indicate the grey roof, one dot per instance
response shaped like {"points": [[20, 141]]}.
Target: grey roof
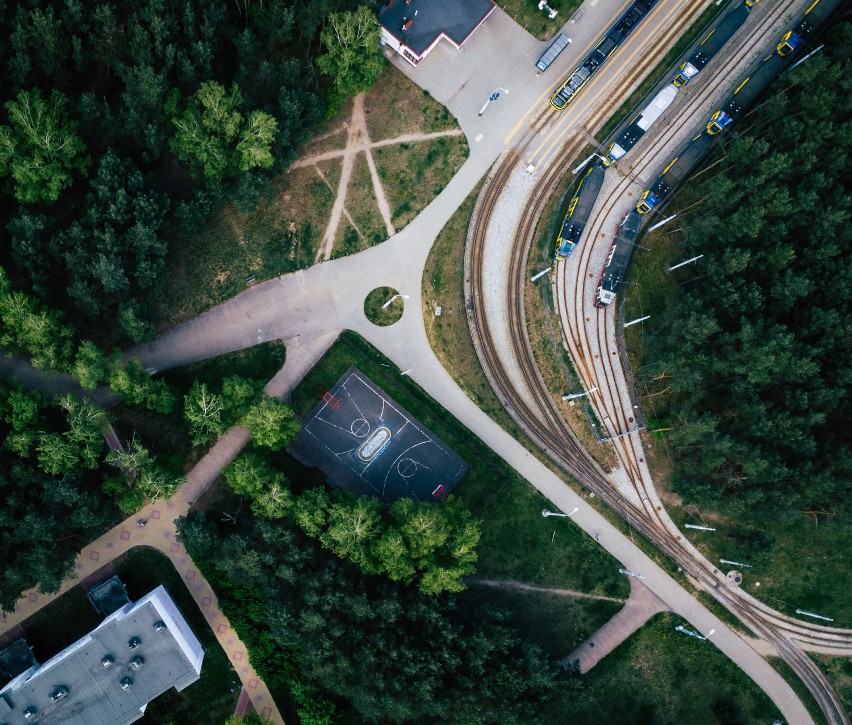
{"points": [[108, 596], [455, 18], [16, 658], [171, 658]]}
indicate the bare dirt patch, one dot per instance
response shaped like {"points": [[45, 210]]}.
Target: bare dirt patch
{"points": [[396, 105]]}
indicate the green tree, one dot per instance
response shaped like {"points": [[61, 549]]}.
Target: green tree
{"points": [[353, 56], [214, 134], [272, 423], [85, 428], [202, 411], [44, 521], [40, 148], [56, 454], [29, 329], [91, 366], [138, 388]]}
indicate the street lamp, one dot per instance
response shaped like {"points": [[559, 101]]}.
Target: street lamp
{"points": [[387, 304], [578, 395], [493, 97], [681, 628], [547, 513]]}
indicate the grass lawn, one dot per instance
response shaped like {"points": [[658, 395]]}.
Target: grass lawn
{"points": [[213, 697], [260, 362], [414, 174], [536, 22], [516, 539], [396, 106], [661, 676], [375, 310], [363, 208], [544, 328], [449, 334], [558, 623], [283, 233]]}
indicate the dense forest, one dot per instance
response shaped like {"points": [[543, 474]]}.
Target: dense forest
{"points": [[350, 646], [123, 123], [754, 351]]}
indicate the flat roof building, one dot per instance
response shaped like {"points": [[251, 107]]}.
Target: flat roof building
{"points": [[413, 27], [109, 676]]}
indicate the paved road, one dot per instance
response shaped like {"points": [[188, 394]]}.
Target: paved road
{"points": [[641, 606]]}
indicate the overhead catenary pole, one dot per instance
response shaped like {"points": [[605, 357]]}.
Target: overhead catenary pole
{"points": [[694, 259], [735, 563], [659, 224], [815, 616], [696, 526], [638, 319], [541, 274], [578, 395]]}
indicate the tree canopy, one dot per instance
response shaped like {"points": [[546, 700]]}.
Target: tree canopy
{"points": [[381, 650], [353, 56], [755, 351], [40, 147]]}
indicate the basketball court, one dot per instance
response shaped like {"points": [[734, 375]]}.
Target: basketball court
{"points": [[368, 444]]}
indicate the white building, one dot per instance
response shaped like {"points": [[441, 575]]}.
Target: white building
{"points": [[413, 27], [109, 676]]}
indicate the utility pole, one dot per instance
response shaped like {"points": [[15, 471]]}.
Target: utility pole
{"points": [[681, 628], [547, 513], [627, 572], [694, 259], [578, 395]]}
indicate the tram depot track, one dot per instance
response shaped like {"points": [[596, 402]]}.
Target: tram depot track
{"points": [[542, 420]]}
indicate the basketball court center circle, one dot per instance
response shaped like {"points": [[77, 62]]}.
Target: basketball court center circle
{"points": [[407, 467], [359, 427]]}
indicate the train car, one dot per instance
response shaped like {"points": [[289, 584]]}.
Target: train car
{"points": [[618, 259], [798, 36], [712, 43], [598, 56], [745, 94], [646, 118], [578, 212], [677, 170]]}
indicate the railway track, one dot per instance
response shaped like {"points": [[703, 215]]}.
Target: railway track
{"points": [[544, 423]]}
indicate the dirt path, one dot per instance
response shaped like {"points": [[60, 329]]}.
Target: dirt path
{"points": [[353, 141], [360, 119], [509, 584], [405, 138], [357, 141]]}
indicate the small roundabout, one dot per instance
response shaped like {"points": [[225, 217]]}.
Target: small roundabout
{"points": [[384, 306]]}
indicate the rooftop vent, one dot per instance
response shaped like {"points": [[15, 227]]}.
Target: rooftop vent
{"points": [[408, 24], [126, 683], [134, 642], [59, 693], [137, 662], [107, 661], [159, 625]]}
